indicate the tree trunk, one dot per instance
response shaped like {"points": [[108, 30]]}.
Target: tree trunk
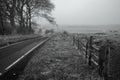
{"points": [[29, 11], [22, 25], [1, 25], [12, 22], [12, 17]]}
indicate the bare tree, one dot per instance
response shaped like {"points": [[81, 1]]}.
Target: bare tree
{"points": [[22, 12]]}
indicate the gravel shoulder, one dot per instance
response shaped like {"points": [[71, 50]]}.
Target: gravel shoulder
{"points": [[58, 60]]}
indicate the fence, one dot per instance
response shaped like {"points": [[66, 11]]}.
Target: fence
{"points": [[95, 55]]}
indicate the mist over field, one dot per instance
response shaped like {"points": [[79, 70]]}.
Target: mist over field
{"points": [[90, 28]]}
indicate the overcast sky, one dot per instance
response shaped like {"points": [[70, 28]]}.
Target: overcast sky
{"points": [[87, 12]]}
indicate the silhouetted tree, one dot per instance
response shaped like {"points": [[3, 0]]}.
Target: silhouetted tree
{"points": [[21, 12]]}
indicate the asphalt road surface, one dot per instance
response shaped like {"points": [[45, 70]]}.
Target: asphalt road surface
{"points": [[12, 53]]}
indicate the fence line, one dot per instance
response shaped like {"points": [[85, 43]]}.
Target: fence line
{"points": [[98, 57]]}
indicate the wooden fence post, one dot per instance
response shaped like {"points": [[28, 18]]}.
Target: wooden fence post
{"points": [[101, 60], [107, 60], [109, 52], [73, 40], [86, 52], [78, 44], [104, 60], [90, 46]]}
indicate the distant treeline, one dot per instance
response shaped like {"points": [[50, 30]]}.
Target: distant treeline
{"points": [[16, 15]]}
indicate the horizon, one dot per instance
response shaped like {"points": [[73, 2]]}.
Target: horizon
{"points": [[82, 28]]}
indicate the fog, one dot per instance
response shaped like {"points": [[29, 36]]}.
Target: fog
{"points": [[85, 15], [87, 12]]}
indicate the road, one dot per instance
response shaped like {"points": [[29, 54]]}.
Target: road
{"points": [[10, 55]]}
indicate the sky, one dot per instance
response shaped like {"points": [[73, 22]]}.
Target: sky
{"points": [[86, 12]]}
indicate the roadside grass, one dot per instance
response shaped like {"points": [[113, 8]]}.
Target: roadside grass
{"points": [[58, 60], [9, 39]]}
